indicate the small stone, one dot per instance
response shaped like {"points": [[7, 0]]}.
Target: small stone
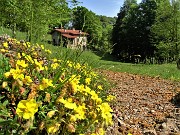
{"points": [[150, 132], [121, 123], [135, 110], [160, 108], [164, 125], [153, 111]]}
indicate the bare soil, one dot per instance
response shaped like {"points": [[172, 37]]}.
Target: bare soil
{"points": [[144, 105]]}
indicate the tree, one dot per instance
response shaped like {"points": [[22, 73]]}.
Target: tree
{"points": [[120, 39], [165, 30], [105, 44], [131, 33], [86, 20], [34, 16], [146, 18]]}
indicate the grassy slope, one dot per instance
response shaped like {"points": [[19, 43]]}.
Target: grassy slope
{"points": [[19, 35], [167, 71]]}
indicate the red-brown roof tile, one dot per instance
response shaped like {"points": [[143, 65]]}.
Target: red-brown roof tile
{"points": [[69, 36], [73, 32]]}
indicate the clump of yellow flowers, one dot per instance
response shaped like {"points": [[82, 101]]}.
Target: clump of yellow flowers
{"points": [[41, 95]]}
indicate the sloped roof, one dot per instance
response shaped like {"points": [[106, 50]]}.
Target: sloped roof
{"points": [[72, 32], [69, 36]]}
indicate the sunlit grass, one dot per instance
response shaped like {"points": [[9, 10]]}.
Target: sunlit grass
{"points": [[19, 35], [101, 61]]}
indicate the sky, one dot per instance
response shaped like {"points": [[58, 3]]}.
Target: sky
{"points": [[108, 8]]}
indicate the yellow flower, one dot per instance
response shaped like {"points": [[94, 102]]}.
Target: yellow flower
{"points": [[78, 66], [35, 54], [99, 87], [93, 74], [73, 118], [54, 65], [95, 97], [39, 65], [28, 58], [27, 80], [19, 55], [7, 74], [129, 134], [87, 89], [70, 100], [27, 108], [28, 44], [46, 68], [3, 50], [53, 128], [45, 84], [87, 81], [110, 97], [106, 113], [69, 63], [80, 112], [42, 46], [48, 51], [17, 73], [22, 63], [55, 60], [17, 42], [5, 45], [68, 104]]}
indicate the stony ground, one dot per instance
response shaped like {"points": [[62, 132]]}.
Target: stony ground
{"points": [[144, 105]]}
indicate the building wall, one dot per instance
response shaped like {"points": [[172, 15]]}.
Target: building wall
{"points": [[79, 42], [55, 38]]}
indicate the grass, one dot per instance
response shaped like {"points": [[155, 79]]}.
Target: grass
{"points": [[100, 61], [19, 35]]}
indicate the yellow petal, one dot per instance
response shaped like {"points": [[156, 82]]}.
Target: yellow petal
{"points": [[27, 115]]}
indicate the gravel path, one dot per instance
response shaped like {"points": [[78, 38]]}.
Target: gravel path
{"points": [[144, 105]]}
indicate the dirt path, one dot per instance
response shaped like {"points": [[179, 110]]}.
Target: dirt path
{"points": [[144, 105]]}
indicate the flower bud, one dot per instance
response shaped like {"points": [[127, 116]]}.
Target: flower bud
{"points": [[50, 113], [41, 125], [4, 84], [71, 128]]}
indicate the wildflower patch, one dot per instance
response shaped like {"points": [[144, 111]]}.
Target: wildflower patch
{"points": [[40, 95]]}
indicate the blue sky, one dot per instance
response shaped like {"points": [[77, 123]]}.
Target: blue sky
{"points": [[104, 7]]}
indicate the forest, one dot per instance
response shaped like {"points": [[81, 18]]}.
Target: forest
{"points": [[149, 30], [146, 32]]}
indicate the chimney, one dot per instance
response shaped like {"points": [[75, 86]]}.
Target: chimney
{"points": [[73, 29]]}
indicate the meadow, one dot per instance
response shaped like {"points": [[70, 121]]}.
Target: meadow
{"points": [[107, 62], [48, 89]]}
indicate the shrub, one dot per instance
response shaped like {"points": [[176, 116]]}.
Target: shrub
{"points": [[49, 96]]}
